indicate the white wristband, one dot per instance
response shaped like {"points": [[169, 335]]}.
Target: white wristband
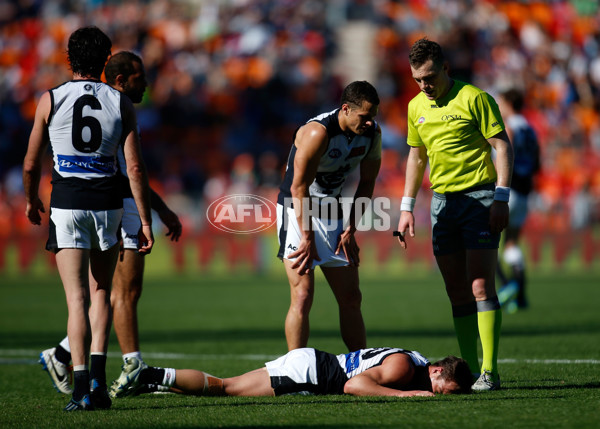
{"points": [[407, 204], [502, 193]]}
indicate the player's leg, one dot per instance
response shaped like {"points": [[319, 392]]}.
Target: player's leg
{"points": [[195, 382], [453, 268], [253, 383], [297, 327], [127, 288], [72, 266], [102, 265], [481, 262], [514, 258], [344, 282], [103, 259], [481, 265], [126, 292], [513, 255]]}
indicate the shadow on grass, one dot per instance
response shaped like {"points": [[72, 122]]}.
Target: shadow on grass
{"points": [[565, 386], [147, 402]]}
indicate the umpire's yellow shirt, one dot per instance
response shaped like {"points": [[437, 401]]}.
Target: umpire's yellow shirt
{"points": [[455, 129]]}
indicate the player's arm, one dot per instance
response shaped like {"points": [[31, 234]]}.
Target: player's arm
{"points": [[369, 169], [415, 169], [167, 216], [310, 142], [32, 164], [504, 167], [138, 178], [387, 379]]}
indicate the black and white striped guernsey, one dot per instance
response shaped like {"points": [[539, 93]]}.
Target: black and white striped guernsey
{"points": [[343, 154]]}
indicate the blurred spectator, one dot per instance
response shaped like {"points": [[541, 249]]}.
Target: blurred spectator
{"points": [[237, 77]]}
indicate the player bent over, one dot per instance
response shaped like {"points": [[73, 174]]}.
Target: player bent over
{"points": [[311, 229]]}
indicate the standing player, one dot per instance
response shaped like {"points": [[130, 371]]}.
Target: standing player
{"points": [[527, 164], [382, 371], [309, 217], [85, 121], [124, 71], [455, 125]]}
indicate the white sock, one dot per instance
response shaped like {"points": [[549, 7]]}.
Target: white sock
{"points": [[65, 344], [169, 378], [80, 368], [137, 355]]}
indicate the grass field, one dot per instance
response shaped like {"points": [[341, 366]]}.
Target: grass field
{"points": [[230, 323]]}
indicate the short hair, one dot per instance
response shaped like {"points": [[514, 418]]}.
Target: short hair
{"points": [[424, 50], [514, 98], [120, 63], [457, 370], [88, 50], [359, 91]]}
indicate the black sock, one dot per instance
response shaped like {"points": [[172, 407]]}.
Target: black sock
{"points": [[62, 355], [98, 369], [81, 383], [152, 375]]}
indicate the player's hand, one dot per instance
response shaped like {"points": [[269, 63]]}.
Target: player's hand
{"points": [[422, 393], [32, 211], [305, 255], [145, 240], [406, 222], [347, 244], [171, 221], [498, 216]]}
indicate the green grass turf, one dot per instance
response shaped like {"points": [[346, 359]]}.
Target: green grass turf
{"points": [[231, 323]]}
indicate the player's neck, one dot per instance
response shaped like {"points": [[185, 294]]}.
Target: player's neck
{"points": [[449, 85], [77, 76]]}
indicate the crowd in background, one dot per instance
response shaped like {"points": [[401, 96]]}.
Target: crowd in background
{"points": [[230, 81]]}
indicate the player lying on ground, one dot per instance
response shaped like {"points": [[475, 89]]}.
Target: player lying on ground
{"points": [[366, 372]]}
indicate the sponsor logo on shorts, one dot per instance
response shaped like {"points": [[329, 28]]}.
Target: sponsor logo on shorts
{"points": [[495, 124], [293, 248], [242, 213], [421, 119]]}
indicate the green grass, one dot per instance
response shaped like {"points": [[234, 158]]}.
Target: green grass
{"points": [[231, 323]]}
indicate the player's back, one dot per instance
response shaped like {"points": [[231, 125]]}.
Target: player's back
{"points": [[85, 127]]}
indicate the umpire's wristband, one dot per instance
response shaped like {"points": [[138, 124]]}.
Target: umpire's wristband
{"points": [[407, 204], [502, 194]]}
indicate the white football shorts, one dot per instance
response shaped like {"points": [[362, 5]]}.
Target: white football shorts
{"points": [[299, 365], [518, 209], [130, 224], [327, 234], [84, 229]]}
